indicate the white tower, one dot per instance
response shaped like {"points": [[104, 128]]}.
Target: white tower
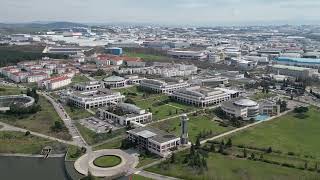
{"points": [[184, 129]]}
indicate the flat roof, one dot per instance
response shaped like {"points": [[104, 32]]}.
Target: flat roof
{"points": [[153, 134], [299, 60], [290, 67]]}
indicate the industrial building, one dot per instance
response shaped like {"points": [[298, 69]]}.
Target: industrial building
{"points": [[303, 62], [294, 71]]}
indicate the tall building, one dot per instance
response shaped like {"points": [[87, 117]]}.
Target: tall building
{"points": [[184, 129]]}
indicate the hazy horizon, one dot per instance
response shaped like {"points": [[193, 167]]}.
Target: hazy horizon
{"points": [[165, 12]]}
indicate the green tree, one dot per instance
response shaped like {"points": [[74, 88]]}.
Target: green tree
{"points": [[173, 158], [229, 143], [245, 153], [198, 143], [212, 148]]}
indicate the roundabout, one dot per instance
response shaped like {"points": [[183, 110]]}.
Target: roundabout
{"points": [[111, 163]]}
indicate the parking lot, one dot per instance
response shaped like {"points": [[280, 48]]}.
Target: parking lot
{"points": [[98, 125]]}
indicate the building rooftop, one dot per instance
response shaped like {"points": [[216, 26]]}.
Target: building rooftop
{"points": [[113, 79], [245, 102], [299, 60], [153, 134], [296, 68]]}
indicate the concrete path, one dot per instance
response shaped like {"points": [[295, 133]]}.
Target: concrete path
{"points": [[154, 176], [76, 136], [7, 127]]}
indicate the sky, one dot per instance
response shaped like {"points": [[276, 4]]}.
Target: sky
{"points": [[189, 12]]}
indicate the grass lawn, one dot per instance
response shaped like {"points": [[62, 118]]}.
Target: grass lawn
{"points": [[10, 91], [160, 104], [17, 142], [114, 144], [93, 138], [196, 124], [77, 113], [225, 167], [259, 96], [138, 177], [74, 153], [39, 122], [79, 79], [107, 161], [146, 57], [288, 133], [147, 159]]}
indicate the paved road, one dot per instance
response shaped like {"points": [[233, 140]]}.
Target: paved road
{"points": [[76, 136], [7, 127]]}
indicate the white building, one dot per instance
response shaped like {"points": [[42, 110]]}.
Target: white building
{"points": [[154, 140], [54, 83], [244, 108], [35, 77], [114, 82], [124, 114], [94, 98], [203, 97], [195, 55], [87, 86], [161, 86]]}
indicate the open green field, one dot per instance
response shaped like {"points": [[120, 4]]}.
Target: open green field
{"points": [[18, 142], [93, 138], [229, 168], [39, 122], [259, 96], [288, 133], [196, 125], [6, 90], [77, 113], [146, 57], [107, 161]]}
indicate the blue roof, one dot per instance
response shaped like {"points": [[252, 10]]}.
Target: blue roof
{"points": [[298, 60]]}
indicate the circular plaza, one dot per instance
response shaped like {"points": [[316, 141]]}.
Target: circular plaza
{"points": [[111, 163]]}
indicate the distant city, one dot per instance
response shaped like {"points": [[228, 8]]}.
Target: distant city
{"points": [[157, 102]]}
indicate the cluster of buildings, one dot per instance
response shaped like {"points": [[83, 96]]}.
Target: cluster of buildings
{"points": [[163, 70], [47, 74]]}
